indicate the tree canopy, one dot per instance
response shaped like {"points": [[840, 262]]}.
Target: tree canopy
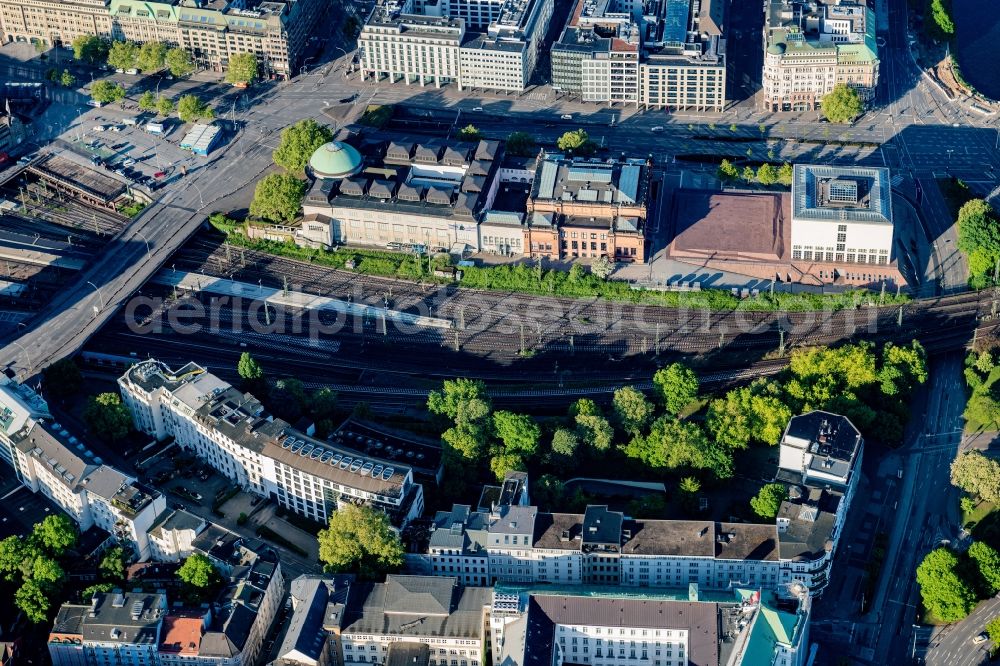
{"points": [[767, 174], [977, 475], [521, 144], [469, 133], [727, 171], [90, 49], [842, 104], [179, 62], [677, 386], [277, 197], [673, 444], [946, 596], [164, 106], [299, 142], [106, 92], [152, 56], [242, 68], [361, 540], [979, 239], [937, 20], [199, 573], [518, 432], [577, 141], [987, 563], [632, 410], [768, 500], [123, 55], [55, 534], [191, 108], [108, 417], [564, 445], [62, 378]]}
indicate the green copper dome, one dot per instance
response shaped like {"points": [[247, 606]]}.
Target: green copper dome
{"points": [[335, 160]]}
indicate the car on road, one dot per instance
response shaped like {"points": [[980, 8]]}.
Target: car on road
{"points": [[658, 128], [119, 146], [129, 162], [477, 108], [567, 116], [120, 172], [94, 103], [980, 638], [159, 174], [99, 128], [132, 72]]}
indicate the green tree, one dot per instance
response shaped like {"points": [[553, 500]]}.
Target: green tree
{"points": [[987, 562], [90, 49], [549, 492], [993, 631], [469, 133], [727, 171], [602, 268], [199, 573], [190, 108], [178, 62], [164, 106], [768, 500], [503, 462], [123, 55], [108, 417], [903, 368], [106, 92], [748, 174], [152, 56], [785, 174], [576, 141], [114, 563], [938, 22], [250, 371], [842, 104], [461, 400], [278, 197], [56, 534], [299, 142], [518, 432], [595, 431], [147, 101], [46, 573], [745, 415], [584, 407], [360, 539], [976, 474], [468, 441], [690, 485], [946, 596], [677, 386], [672, 444], [564, 444], [33, 602], [242, 69], [95, 589], [979, 240], [67, 79], [62, 379], [632, 410], [521, 144], [14, 552], [767, 174]]}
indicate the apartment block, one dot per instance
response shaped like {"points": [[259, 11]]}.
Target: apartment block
{"points": [[49, 460], [515, 543], [493, 44], [232, 432], [588, 208], [114, 628], [364, 621], [812, 47], [605, 625], [277, 31]]}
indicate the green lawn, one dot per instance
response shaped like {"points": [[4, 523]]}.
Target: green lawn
{"points": [[972, 518]]}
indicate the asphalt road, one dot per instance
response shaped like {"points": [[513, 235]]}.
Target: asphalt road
{"points": [[953, 646]]}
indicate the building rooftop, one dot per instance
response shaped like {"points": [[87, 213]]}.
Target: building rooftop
{"points": [[830, 444], [601, 527], [62, 454], [806, 523], [611, 183], [335, 159], [848, 194], [416, 606], [405, 653], [744, 225], [124, 617], [513, 520], [182, 634], [460, 529]]}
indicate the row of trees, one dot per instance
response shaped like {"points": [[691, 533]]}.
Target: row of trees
{"points": [[34, 565], [979, 240], [951, 583], [190, 108], [155, 56], [766, 174]]}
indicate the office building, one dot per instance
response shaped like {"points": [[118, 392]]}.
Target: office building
{"points": [[114, 628], [842, 218], [277, 31], [658, 55], [232, 432], [588, 208], [600, 625], [428, 194], [493, 44], [812, 47], [344, 621]]}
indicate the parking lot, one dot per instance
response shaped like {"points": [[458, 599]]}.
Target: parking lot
{"points": [[20, 509]]}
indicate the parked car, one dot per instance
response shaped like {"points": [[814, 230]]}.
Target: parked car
{"points": [[980, 638], [99, 128], [128, 162]]}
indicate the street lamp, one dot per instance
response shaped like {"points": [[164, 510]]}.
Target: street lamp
{"points": [[99, 294], [145, 240], [26, 354]]}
